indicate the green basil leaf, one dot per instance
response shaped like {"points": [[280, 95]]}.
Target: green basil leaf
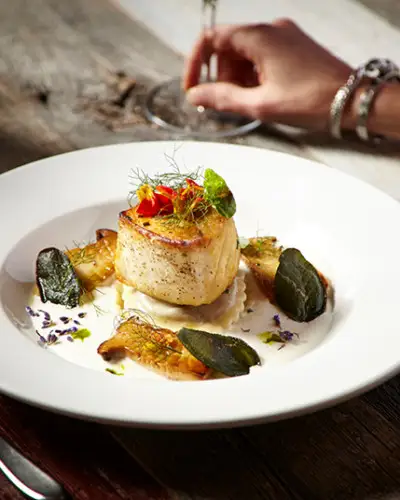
{"points": [[218, 194], [228, 355], [299, 290], [56, 278]]}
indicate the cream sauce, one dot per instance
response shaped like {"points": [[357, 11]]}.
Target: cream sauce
{"points": [[215, 317], [244, 308]]}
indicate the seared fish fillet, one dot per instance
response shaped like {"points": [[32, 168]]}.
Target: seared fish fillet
{"points": [[191, 263], [156, 348], [94, 263]]}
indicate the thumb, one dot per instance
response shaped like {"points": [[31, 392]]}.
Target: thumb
{"points": [[225, 97]]}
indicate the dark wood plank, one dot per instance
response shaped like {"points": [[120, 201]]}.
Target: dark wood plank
{"points": [[350, 452], [8, 491], [82, 456], [205, 464]]}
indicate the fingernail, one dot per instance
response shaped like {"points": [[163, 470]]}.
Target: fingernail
{"points": [[192, 95]]}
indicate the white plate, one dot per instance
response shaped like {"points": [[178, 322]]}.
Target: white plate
{"points": [[346, 228]]}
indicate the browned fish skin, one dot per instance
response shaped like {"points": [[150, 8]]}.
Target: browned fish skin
{"points": [[94, 263], [189, 263], [156, 348]]}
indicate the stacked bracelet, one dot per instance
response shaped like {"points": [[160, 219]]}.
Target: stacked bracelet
{"points": [[340, 100], [366, 102], [378, 71]]}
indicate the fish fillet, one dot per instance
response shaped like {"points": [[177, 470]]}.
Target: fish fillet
{"points": [[191, 263]]}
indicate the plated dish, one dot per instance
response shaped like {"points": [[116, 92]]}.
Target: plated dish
{"points": [[176, 279], [177, 306]]}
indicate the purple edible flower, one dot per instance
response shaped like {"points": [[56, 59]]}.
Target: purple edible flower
{"points": [[42, 340], [65, 319], [286, 336], [45, 314], [277, 320], [73, 329], [51, 338], [76, 322], [82, 315], [47, 324], [31, 312], [70, 338]]}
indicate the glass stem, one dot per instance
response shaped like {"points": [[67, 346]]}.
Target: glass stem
{"points": [[209, 16]]}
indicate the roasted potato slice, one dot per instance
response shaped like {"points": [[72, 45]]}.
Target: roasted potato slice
{"points": [[262, 256], [94, 263], [156, 348]]}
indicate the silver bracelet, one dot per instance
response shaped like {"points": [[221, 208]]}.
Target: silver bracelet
{"points": [[374, 68], [367, 100], [340, 100]]}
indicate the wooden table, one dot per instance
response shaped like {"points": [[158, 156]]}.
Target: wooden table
{"points": [[66, 71]]}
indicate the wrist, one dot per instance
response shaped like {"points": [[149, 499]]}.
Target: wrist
{"points": [[383, 116], [350, 112]]}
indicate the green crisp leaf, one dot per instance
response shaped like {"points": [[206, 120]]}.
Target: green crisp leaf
{"points": [[81, 334], [56, 278], [299, 290], [270, 337], [218, 194], [228, 355]]}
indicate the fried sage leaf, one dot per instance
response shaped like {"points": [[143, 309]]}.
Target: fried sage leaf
{"points": [[218, 194], [228, 355], [56, 278], [299, 289]]}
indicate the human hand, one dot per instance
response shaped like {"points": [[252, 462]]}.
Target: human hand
{"points": [[273, 72]]}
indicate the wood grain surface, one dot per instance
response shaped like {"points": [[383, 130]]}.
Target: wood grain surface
{"points": [[351, 452], [82, 456], [63, 71], [75, 74]]}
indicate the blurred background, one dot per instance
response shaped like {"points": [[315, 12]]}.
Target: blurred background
{"points": [[77, 74]]}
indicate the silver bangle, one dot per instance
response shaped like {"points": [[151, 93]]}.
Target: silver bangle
{"points": [[367, 100], [340, 100], [374, 68]]}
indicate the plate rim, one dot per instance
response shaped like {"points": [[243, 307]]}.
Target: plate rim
{"points": [[290, 413]]}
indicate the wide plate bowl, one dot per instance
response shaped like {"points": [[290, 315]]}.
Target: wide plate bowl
{"points": [[345, 227]]}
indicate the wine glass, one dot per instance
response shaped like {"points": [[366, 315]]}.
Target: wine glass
{"points": [[166, 103]]}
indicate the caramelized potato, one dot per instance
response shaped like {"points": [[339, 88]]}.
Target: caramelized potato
{"points": [[94, 263], [156, 348], [262, 256]]}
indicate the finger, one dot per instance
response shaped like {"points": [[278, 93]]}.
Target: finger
{"points": [[200, 55], [234, 69], [225, 97], [226, 67], [245, 40], [202, 52]]}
